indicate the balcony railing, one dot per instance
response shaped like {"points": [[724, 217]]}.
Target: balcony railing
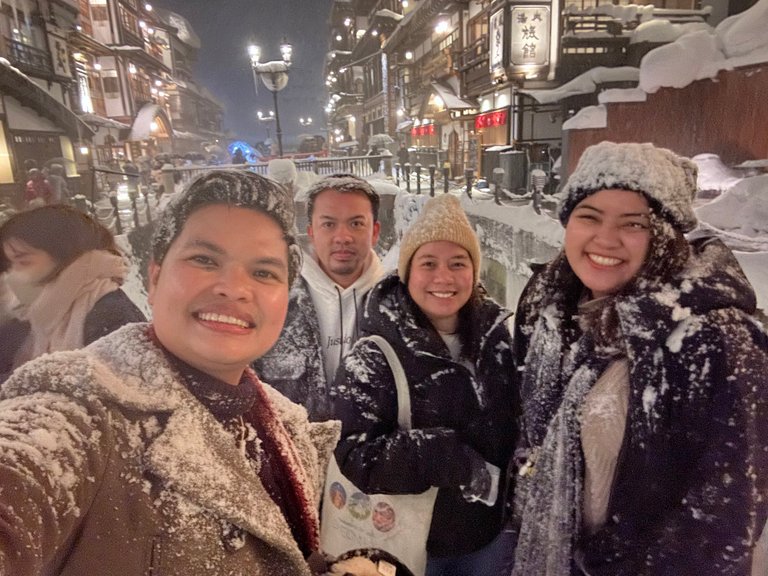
{"points": [[28, 58]]}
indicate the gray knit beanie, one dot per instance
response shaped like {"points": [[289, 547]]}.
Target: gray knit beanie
{"points": [[237, 188], [666, 179], [441, 218]]}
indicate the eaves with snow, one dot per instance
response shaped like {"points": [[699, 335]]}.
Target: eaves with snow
{"points": [[692, 51], [387, 13]]}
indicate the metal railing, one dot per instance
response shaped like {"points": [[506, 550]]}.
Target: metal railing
{"points": [[121, 203], [358, 165], [28, 58]]}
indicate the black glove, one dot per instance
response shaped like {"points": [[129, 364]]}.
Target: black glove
{"points": [[484, 485]]}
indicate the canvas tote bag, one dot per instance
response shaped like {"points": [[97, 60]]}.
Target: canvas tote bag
{"points": [[396, 523]]}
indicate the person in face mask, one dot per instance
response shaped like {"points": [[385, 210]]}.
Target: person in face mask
{"points": [[62, 274]]}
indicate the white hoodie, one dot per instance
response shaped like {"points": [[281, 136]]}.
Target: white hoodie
{"points": [[338, 308]]}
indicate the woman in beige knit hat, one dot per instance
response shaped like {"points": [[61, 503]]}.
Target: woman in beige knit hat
{"points": [[643, 385], [454, 344]]}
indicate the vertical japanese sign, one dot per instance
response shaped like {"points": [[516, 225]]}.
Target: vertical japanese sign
{"points": [[496, 30], [57, 44], [529, 35]]}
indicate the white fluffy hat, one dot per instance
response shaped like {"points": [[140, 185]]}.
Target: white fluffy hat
{"points": [[441, 218], [666, 179]]}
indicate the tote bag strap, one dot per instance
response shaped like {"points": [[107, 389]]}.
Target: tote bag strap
{"points": [[401, 381]]}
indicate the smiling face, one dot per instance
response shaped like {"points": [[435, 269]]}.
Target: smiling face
{"points": [[440, 281], [220, 296], [607, 239], [342, 232]]}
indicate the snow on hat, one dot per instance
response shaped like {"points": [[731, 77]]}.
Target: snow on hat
{"points": [[343, 182], [238, 188], [441, 218], [666, 179]]}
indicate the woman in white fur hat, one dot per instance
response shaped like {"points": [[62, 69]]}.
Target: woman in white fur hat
{"points": [[454, 343], [643, 385]]}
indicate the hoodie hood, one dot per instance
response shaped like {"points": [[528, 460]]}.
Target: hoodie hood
{"points": [[338, 309]]}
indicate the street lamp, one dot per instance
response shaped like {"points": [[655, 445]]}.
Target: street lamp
{"points": [[305, 121], [274, 75]]}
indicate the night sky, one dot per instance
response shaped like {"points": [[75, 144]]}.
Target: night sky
{"points": [[226, 27]]}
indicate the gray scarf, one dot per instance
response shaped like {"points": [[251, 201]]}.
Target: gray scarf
{"points": [[551, 507]]}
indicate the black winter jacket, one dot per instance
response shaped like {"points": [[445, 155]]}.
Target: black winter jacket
{"points": [[689, 492], [457, 418], [109, 313], [294, 365]]}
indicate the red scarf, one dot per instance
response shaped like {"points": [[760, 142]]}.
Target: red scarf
{"points": [[297, 505]]}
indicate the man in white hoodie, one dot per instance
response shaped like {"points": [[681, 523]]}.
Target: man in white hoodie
{"points": [[326, 302]]}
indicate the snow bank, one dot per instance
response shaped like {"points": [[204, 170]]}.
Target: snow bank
{"points": [[755, 266], [713, 174], [743, 209]]}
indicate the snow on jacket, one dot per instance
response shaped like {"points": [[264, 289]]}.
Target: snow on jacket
{"points": [[108, 464], [458, 417], [109, 313], [689, 493], [321, 327]]}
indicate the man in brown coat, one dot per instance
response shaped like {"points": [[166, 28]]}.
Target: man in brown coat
{"points": [[156, 450]]}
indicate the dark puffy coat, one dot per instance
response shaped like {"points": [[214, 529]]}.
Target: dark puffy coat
{"points": [[689, 492], [294, 365], [458, 418], [107, 315]]}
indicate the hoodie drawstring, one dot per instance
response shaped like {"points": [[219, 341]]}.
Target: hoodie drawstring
{"points": [[357, 316], [341, 326]]}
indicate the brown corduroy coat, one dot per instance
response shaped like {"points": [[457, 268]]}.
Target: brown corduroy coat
{"points": [[108, 465]]}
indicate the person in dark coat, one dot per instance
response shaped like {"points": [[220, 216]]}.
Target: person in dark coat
{"points": [[403, 156], [374, 162], [57, 178], [64, 272], [454, 343], [238, 157], [644, 385]]}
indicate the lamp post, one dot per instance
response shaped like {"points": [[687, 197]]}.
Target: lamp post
{"points": [[274, 75]]}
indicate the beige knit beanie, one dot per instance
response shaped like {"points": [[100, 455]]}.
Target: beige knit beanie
{"points": [[441, 218]]}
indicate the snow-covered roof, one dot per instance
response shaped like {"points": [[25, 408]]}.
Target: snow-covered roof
{"points": [[142, 125], [585, 83], [387, 13], [97, 120], [664, 31], [739, 40], [588, 117], [624, 13], [449, 97], [185, 32], [622, 95], [188, 135]]}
